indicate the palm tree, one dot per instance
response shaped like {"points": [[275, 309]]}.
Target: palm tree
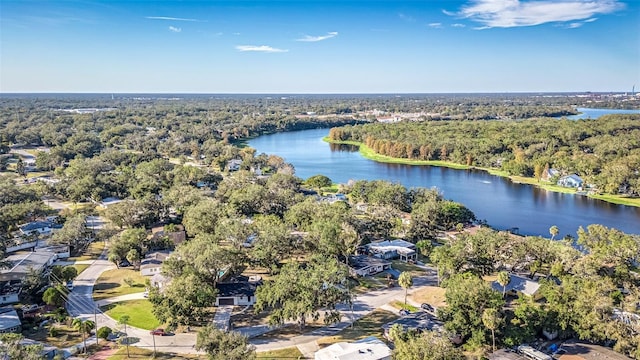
{"points": [[406, 281], [124, 320], [492, 320], [553, 231], [504, 279], [83, 327]]}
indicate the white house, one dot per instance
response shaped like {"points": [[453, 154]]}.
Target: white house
{"points": [[393, 249], [370, 348], [21, 263], [572, 180], [37, 228], [234, 164], [550, 174], [152, 263], [239, 292], [362, 265]]}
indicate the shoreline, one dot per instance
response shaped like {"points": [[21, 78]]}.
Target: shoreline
{"points": [[368, 153]]}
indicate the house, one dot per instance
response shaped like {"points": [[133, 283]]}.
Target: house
{"points": [[518, 285], [550, 174], [573, 181], [109, 201], [417, 321], [363, 265], [152, 263], [9, 321], [238, 291], [234, 164], [158, 280], [393, 249], [21, 263], [38, 228], [370, 348]]}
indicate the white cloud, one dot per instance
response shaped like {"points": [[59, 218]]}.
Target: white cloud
{"points": [[175, 29], [309, 38], [435, 25], [512, 13], [407, 18], [260, 48], [169, 18], [458, 25]]}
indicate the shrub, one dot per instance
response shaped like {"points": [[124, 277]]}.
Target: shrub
{"points": [[104, 332], [129, 281]]}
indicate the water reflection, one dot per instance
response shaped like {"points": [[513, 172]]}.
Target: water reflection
{"points": [[501, 202]]}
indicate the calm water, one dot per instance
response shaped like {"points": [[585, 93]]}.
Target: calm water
{"points": [[586, 113], [499, 201]]}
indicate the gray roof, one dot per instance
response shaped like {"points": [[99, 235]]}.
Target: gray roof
{"points": [[8, 318], [23, 261], [233, 289], [417, 320], [362, 261], [36, 225], [518, 284]]}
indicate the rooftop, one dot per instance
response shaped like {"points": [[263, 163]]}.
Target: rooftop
{"points": [[23, 261], [370, 348], [8, 319], [362, 261], [578, 351], [417, 320], [231, 289], [519, 284]]}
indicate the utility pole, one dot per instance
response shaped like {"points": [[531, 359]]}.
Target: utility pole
{"points": [[95, 320], [154, 343]]}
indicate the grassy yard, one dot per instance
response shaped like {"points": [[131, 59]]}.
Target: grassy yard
{"points": [[138, 353], [112, 283], [429, 294], [404, 266], [368, 283], [249, 318], [66, 336], [92, 252], [139, 312], [288, 353], [80, 267], [401, 305], [369, 325]]}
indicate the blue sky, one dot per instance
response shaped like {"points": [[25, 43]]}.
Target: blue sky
{"points": [[319, 46]]}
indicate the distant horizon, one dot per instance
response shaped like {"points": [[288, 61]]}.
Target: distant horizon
{"points": [[319, 47]]}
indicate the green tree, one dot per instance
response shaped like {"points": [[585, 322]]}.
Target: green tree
{"points": [[300, 290], [428, 345], [553, 231], [133, 257], [84, 327], [318, 182], [124, 320], [54, 296], [406, 281], [104, 332], [73, 232], [11, 348], [222, 345], [492, 320], [503, 279]]}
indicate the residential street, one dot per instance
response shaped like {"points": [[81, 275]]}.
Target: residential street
{"points": [[81, 304]]}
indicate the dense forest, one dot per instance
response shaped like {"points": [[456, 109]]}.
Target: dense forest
{"points": [[605, 152]]}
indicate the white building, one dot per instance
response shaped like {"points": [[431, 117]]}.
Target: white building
{"points": [[370, 348], [393, 249]]}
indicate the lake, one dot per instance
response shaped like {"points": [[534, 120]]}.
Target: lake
{"points": [[497, 200], [587, 113]]}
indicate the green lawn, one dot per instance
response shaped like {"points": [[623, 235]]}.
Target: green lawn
{"points": [[112, 283], [404, 267], [369, 325], [66, 336], [401, 305], [288, 353], [80, 267], [92, 252], [139, 312]]}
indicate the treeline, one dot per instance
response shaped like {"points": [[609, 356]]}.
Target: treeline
{"points": [[605, 152]]}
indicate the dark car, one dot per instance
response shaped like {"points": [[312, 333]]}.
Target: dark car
{"points": [[404, 312], [159, 332], [427, 307]]}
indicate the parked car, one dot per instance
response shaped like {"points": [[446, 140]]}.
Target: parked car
{"points": [[404, 312], [29, 308], [124, 263], [427, 307], [159, 332], [145, 294], [70, 285]]}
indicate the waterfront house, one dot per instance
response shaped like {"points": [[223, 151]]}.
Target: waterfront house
{"points": [[550, 174], [573, 181]]}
